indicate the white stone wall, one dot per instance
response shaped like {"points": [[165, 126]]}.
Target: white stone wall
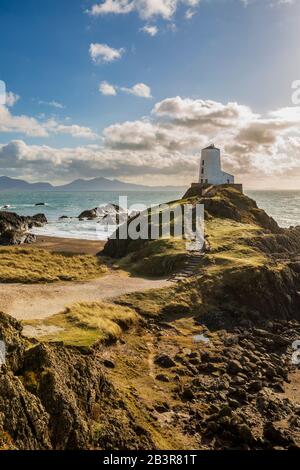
{"points": [[211, 170]]}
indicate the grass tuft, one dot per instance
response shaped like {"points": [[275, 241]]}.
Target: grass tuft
{"points": [[83, 324], [32, 265]]}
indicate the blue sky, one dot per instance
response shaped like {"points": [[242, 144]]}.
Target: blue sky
{"points": [[225, 52]]}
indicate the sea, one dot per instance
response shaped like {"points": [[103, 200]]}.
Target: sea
{"points": [[283, 206]]}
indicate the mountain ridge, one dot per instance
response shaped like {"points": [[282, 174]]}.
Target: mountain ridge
{"points": [[94, 184]]}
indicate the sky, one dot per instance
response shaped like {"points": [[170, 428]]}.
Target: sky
{"points": [[134, 89]]}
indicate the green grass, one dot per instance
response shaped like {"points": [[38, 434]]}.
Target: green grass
{"points": [[156, 258], [32, 265], [83, 324], [230, 256], [229, 245]]}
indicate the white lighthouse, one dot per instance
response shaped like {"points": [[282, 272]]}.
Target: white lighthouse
{"points": [[211, 168]]}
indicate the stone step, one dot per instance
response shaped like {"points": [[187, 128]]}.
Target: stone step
{"points": [[190, 267]]}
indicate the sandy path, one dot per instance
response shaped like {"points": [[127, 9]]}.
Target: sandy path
{"points": [[39, 301]]}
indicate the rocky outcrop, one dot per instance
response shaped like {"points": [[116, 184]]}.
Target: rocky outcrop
{"points": [[234, 389], [52, 397], [90, 214], [16, 237], [37, 220], [109, 211], [14, 228]]}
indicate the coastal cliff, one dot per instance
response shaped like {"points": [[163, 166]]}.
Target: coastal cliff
{"points": [[206, 366]]}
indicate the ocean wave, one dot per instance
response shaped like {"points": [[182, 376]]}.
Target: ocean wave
{"points": [[75, 232]]}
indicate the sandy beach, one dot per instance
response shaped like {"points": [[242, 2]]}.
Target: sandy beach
{"points": [[69, 245]]}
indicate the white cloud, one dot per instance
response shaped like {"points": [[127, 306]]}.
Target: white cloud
{"points": [[53, 104], [74, 130], [18, 158], [101, 53], [20, 124], [151, 30], [252, 144], [107, 89], [113, 6], [166, 145], [165, 9], [189, 14], [32, 127], [145, 8], [11, 99], [202, 113], [140, 89]]}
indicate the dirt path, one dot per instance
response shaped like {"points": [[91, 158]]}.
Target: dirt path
{"points": [[37, 301]]}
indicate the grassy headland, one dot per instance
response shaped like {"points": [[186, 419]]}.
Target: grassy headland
{"points": [[246, 255]]}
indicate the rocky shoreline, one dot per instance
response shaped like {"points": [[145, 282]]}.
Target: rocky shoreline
{"points": [[14, 228]]}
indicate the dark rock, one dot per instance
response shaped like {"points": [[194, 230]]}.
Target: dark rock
{"points": [[255, 386], [12, 221], [13, 228], [162, 407], [234, 367], [89, 214], [195, 361], [275, 435], [225, 410], [11, 237], [110, 213], [40, 204], [188, 394], [109, 364], [278, 387], [162, 378], [38, 220], [244, 433], [164, 361]]}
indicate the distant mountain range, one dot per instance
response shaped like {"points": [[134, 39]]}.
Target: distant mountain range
{"points": [[96, 184]]}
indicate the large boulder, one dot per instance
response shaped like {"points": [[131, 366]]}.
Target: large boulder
{"points": [[109, 211], [12, 221], [90, 214], [14, 228], [37, 220], [16, 237]]}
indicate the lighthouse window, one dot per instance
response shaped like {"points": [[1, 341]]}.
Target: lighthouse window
{"points": [[203, 162], [202, 171]]}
